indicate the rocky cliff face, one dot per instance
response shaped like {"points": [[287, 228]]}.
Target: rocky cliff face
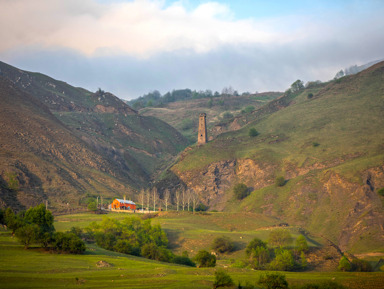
{"points": [[326, 203]]}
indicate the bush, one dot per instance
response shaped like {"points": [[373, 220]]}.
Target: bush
{"points": [[283, 262], [344, 265], [27, 234], [256, 242], [205, 259], [249, 108], [183, 260], [222, 244], [68, 243], [301, 244], [361, 266], [92, 207], [310, 95], [273, 281], [222, 279], [280, 181], [201, 208], [381, 192], [253, 132], [227, 115], [240, 191]]}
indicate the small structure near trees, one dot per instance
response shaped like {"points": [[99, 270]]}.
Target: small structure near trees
{"points": [[119, 204]]}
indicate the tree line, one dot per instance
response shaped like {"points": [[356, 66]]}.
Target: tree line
{"points": [[155, 98], [35, 227], [181, 200]]}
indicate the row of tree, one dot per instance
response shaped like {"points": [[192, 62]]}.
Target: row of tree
{"points": [[184, 199], [155, 98]]}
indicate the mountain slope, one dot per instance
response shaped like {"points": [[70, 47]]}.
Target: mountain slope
{"points": [[44, 157], [330, 149], [129, 147]]}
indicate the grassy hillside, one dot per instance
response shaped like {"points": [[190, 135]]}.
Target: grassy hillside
{"points": [[35, 268], [72, 142], [328, 147], [41, 159]]}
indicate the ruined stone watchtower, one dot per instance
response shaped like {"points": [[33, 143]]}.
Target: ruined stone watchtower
{"points": [[202, 137]]}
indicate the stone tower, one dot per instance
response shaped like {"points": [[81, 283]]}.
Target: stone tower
{"points": [[202, 137]]}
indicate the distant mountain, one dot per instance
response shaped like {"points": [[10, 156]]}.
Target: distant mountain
{"points": [[326, 141], [64, 144], [355, 69], [224, 112]]}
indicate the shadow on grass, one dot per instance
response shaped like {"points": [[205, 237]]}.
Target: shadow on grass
{"points": [[173, 238]]}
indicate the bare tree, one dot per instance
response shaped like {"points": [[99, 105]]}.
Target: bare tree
{"points": [[189, 197], [142, 196], [155, 196], [195, 199], [183, 198], [167, 196], [148, 197], [177, 195]]}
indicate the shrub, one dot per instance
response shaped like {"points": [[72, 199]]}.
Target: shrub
{"points": [[201, 208], [205, 259], [310, 95], [240, 191], [361, 266], [249, 108], [344, 265], [301, 244], [253, 132], [68, 243], [183, 260], [273, 281], [283, 262], [27, 234], [227, 115], [256, 242], [259, 257], [381, 192], [92, 207], [222, 279], [222, 244], [280, 181], [304, 262]]}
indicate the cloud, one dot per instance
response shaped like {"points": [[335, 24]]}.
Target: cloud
{"points": [[130, 48], [140, 28]]}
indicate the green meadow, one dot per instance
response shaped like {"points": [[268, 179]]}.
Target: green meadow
{"points": [[36, 268]]}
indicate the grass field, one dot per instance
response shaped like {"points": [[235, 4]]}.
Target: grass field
{"points": [[35, 268]]}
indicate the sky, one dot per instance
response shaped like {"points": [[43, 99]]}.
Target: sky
{"points": [[130, 48]]}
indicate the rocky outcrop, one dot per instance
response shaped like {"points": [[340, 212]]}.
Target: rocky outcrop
{"points": [[323, 201]]}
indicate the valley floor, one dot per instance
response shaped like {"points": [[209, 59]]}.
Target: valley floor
{"points": [[35, 268]]}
